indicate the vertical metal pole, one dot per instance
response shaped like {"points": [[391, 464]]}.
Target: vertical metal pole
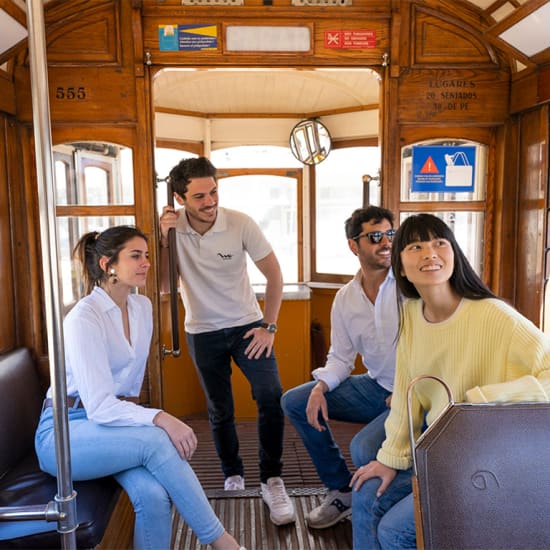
{"points": [[65, 499]]}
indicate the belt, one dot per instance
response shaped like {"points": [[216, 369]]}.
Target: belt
{"points": [[76, 403]]}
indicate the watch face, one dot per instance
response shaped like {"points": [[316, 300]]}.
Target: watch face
{"points": [[272, 327]]}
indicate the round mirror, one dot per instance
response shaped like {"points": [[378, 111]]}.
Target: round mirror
{"points": [[310, 141]]}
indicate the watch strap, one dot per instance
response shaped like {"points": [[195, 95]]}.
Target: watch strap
{"points": [[270, 327]]}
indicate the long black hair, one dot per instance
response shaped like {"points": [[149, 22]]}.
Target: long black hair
{"points": [[94, 245], [425, 227]]}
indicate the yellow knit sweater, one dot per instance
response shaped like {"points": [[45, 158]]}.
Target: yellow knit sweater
{"points": [[486, 351]]}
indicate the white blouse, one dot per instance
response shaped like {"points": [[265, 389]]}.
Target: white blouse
{"points": [[100, 362]]}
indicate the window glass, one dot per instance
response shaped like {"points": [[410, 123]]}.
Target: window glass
{"points": [[96, 190], [61, 184], [254, 156], [165, 160], [272, 202], [69, 231], [449, 160], [94, 174], [338, 192]]}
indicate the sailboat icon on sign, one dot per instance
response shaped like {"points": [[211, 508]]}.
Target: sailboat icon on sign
{"points": [[429, 167]]}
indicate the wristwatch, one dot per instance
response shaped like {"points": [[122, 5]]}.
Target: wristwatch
{"points": [[271, 327]]}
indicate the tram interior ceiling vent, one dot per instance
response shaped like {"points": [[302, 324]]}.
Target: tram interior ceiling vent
{"points": [[322, 2], [212, 2]]}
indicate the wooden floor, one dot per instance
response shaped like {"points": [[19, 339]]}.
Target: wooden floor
{"points": [[244, 514]]}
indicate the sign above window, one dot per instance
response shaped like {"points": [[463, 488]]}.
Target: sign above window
{"points": [[242, 38]]}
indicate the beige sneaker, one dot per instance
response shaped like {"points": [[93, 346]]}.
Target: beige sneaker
{"points": [[234, 483], [335, 507], [280, 506]]}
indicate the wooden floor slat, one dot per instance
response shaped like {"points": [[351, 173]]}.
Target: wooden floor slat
{"points": [[244, 514], [248, 520], [297, 468]]}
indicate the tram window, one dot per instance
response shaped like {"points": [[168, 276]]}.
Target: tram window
{"points": [[96, 190], [165, 160], [61, 176], [339, 191], [254, 156], [272, 201], [463, 211], [96, 174], [90, 178], [69, 231]]}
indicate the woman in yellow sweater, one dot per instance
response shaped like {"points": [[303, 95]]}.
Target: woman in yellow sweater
{"points": [[452, 326]]}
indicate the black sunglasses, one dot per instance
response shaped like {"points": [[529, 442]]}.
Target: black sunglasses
{"points": [[376, 236]]}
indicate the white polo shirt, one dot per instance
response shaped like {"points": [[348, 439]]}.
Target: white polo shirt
{"points": [[216, 291]]}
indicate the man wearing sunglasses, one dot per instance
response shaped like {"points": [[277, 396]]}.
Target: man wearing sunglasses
{"points": [[364, 321]]}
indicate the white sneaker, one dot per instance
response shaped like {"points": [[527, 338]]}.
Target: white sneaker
{"points": [[280, 506], [335, 507], [234, 483]]}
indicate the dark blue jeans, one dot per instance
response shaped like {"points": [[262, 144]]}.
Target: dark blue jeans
{"points": [[212, 353], [358, 399]]}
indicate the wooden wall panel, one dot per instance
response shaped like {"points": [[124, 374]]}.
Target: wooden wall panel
{"points": [[533, 178], [86, 37], [91, 72], [504, 252], [439, 41], [523, 93], [320, 54], [7, 94], [454, 97], [543, 84], [7, 295]]}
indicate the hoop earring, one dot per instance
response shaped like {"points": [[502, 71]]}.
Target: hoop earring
{"points": [[112, 276]]}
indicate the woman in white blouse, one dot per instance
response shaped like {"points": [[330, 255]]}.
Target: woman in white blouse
{"points": [[107, 337]]}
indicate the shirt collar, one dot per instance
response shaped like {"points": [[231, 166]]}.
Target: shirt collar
{"points": [[357, 277], [103, 300]]}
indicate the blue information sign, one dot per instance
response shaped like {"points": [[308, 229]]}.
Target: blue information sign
{"points": [[188, 37], [442, 169]]}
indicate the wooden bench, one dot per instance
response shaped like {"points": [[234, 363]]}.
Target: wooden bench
{"points": [[105, 515]]}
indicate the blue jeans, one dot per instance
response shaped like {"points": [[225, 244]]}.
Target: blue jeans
{"points": [[145, 462], [212, 353], [358, 399], [396, 530], [373, 516]]}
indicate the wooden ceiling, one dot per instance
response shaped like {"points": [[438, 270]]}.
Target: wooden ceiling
{"points": [[279, 92]]}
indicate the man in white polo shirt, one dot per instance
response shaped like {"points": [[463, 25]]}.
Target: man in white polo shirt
{"points": [[223, 320]]}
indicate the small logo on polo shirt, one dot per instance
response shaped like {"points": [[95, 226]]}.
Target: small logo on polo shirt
{"points": [[225, 256]]}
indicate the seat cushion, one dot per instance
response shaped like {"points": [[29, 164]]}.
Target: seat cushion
{"points": [[19, 407], [26, 484]]}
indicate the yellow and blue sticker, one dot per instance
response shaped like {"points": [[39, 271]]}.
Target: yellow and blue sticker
{"points": [[198, 37]]}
